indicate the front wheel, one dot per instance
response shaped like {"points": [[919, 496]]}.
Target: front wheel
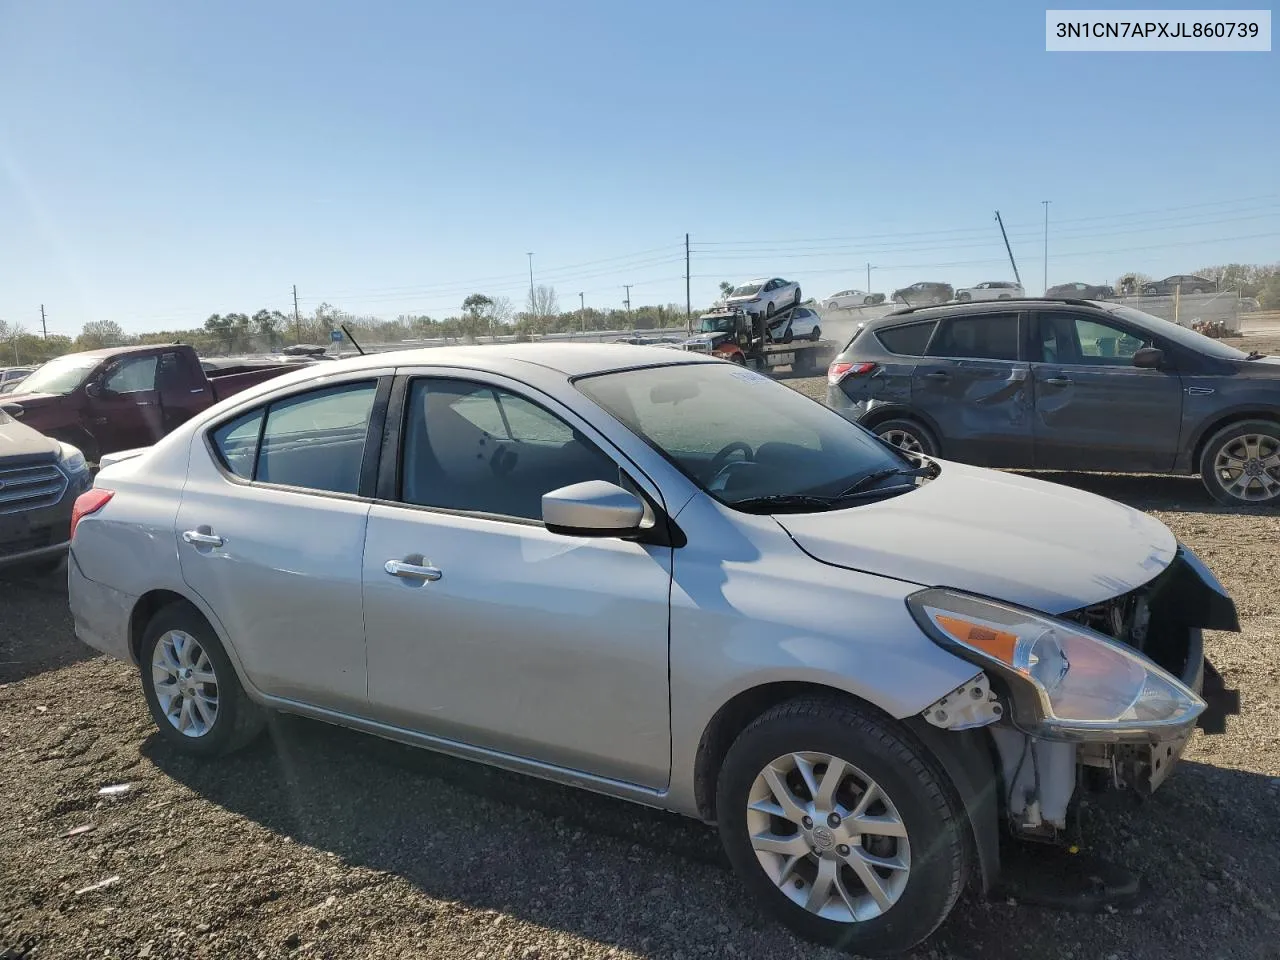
{"points": [[816, 334], [795, 300], [965, 297], [842, 825], [1240, 465], [192, 690]]}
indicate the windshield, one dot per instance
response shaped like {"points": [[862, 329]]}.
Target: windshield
{"points": [[746, 290], [60, 376], [740, 435], [716, 325], [1179, 334]]}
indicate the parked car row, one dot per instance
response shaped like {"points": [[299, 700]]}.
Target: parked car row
{"points": [[11, 377], [1038, 384], [717, 598]]}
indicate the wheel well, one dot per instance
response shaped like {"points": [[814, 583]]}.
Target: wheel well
{"points": [[1207, 433], [734, 717], [148, 605]]}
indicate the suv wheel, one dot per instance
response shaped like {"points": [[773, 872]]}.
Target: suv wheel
{"points": [[1241, 464], [839, 823], [191, 688], [795, 300], [907, 434]]}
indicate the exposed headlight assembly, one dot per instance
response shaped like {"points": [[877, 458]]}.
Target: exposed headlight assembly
{"points": [[1065, 681]]}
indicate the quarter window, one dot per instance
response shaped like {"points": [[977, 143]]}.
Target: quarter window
{"points": [[481, 449], [1084, 341], [992, 336]]}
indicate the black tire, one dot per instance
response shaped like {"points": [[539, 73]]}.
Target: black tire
{"points": [[815, 334], [905, 772], [789, 335], [928, 443], [868, 301], [238, 720], [965, 297], [768, 311], [1196, 290], [795, 301], [1220, 442], [1004, 296]]}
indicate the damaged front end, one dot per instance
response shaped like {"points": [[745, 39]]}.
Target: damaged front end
{"points": [[1106, 696]]}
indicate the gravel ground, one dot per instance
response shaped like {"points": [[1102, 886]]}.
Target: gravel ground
{"points": [[318, 842]]}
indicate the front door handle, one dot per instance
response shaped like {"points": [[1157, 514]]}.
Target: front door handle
{"points": [[1059, 381], [412, 571], [201, 539], [938, 375]]}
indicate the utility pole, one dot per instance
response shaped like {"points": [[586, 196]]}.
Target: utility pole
{"points": [[1046, 245], [869, 269], [531, 301], [582, 310], [688, 300], [297, 320], [627, 301], [44, 330], [1012, 262]]}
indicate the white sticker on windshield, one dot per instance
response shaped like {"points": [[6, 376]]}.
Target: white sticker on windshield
{"points": [[750, 376]]}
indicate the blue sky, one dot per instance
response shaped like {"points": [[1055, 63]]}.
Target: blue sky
{"points": [[163, 161]]}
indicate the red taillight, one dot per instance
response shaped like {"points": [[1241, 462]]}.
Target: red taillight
{"points": [[91, 501], [839, 370]]}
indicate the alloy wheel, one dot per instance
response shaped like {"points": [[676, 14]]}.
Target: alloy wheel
{"points": [[828, 837], [1248, 467], [185, 682], [903, 439]]}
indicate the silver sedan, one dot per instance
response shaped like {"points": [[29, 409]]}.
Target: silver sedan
{"points": [[665, 578]]}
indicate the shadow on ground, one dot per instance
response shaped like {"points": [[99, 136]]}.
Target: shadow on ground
{"points": [[459, 831], [35, 625]]}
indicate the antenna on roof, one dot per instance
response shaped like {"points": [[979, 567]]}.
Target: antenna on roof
{"points": [[354, 343]]}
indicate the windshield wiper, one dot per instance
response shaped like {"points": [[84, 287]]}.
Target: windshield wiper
{"points": [[1255, 355], [784, 501], [871, 479]]}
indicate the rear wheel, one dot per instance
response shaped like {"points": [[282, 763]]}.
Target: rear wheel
{"points": [[795, 300], [908, 435], [816, 334], [768, 311], [192, 690], [965, 297], [840, 823], [1240, 465]]}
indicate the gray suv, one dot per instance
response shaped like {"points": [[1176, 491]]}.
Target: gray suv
{"points": [[1067, 385]]}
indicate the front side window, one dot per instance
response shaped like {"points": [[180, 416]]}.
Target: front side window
{"points": [[480, 449], [747, 290], [132, 376], [313, 440], [1086, 341], [738, 434], [992, 336]]}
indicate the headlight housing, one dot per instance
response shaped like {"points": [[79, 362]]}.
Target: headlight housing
{"points": [[71, 459], [1065, 681]]}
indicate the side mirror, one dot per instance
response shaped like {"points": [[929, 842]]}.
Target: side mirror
{"points": [[1150, 357], [93, 389], [13, 409], [595, 508]]}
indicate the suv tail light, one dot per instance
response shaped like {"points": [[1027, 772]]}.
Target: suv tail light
{"points": [[91, 501], [839, 370]]}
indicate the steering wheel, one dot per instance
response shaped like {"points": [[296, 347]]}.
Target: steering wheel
{"points": [[720, 462]]}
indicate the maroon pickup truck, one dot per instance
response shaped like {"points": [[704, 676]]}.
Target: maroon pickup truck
{"points": [[103, 401]]}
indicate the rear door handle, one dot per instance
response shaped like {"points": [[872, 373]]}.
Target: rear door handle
{"points": [[1059, 381], [938, 375], [412, 571], [199, 539]]}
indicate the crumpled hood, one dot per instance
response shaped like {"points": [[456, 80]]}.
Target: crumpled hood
{"points": [[1040, 545]]}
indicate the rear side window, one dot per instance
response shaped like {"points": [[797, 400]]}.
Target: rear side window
{"points": [[313, 440], [909, 340], [991, 336]]}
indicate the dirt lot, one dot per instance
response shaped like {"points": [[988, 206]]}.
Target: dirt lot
{"points": [[321, 843]]}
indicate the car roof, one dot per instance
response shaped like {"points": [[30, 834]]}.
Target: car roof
{"points": [[981, 306], [569, 359]]}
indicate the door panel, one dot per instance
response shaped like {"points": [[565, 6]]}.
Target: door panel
{"points": [[1094, 410], [533, 644], [547, 647], [981, 399], [127, 412]]}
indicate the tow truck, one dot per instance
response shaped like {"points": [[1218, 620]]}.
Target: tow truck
{"points": [[747, 339]]}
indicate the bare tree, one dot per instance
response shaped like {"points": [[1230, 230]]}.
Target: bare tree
{"points": [[101, 333], [544, 305]]}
